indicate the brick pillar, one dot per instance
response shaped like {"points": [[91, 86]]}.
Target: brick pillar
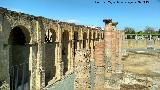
{"points": [[113, 55], [78, 41], [108, 46], [72, 55], [99, 81], [71, 46], [82, 70], [69, 55], [81, 39], [120, 51], [59, 63], [40, 77], [87, 41], [117, 46], [92, 46]]}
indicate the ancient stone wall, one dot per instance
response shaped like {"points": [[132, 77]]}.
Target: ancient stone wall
{"points": [[37, 32]]}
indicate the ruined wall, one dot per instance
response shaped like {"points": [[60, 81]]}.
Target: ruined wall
{"points": [[35, 28]]}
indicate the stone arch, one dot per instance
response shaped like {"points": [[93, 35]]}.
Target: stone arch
{"points": [[22, 30], [65, 50], [19, 51], [50, 55], [84, 39]]}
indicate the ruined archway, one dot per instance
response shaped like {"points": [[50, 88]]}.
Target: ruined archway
{"points": [[18, 58], [50, 55], [65, 50], [84, 39]]}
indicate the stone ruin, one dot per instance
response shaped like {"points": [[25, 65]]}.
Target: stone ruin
{"points": [[37, 50], [37, 53]]}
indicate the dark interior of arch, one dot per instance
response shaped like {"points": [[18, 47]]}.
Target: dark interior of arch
{"points": [[17, 37], [50, 45], [18, 59], [65, 48]]}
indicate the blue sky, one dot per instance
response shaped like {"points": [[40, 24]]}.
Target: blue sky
{"points": [[87, 12]]}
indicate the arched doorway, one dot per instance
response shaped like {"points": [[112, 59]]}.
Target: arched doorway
{"points": [[50, 54], [65, 50], [19, 58]]}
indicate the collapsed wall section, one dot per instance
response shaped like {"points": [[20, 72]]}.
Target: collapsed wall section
{"points": [[82, 70]]}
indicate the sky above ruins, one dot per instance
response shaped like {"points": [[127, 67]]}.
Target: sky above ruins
{"points": [[89, 12]]}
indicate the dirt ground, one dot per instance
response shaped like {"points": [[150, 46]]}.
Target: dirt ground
{"points": [[143, 65], [146, 64]]}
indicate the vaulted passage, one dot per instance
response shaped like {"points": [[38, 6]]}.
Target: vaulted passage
{"points": [[19, 58], [65, 50], [50, 45]]}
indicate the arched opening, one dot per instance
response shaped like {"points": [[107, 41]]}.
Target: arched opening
{"points": [[84, 39], [65, 50], [18, 58], [50, 54], [75, 41]]}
